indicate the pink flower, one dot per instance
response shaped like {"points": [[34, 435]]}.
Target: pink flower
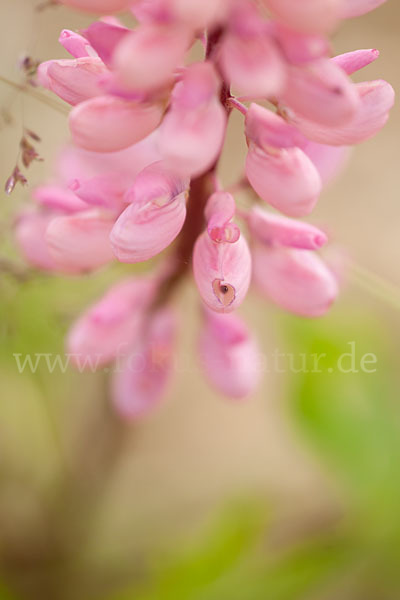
{"points": [[141, 380], [122, 123], [296, 280], [222, 272], [229, 355], [154, 217], [109, 327], [30, 230], [76, 44]]}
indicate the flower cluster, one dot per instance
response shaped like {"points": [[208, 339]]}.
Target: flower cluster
{"points": [[148, 127]]}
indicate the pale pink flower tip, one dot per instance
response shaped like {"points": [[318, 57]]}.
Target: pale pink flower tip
{"points": [[229, 355], [141, 378]]}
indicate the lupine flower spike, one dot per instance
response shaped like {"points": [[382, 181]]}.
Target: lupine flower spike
{"points": [[140, 179]]}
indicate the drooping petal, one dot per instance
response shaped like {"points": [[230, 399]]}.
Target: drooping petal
{"points": [[296, 280], [102, 191], [377, 98], [79, 243], [193, 130], [271, 229], [122, 123], [155, 216], [222, 272], [141, 379], [30, 230], [73, 80], [146, 59], [229, 355], [286, 179], [109, 327]]}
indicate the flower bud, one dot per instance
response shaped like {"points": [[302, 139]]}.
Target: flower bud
{"points": [[296, 280], [80, 242], [154, 217], [122, 123], [229, 355], [141, 380], [219, 213], [109, 327], [351, 62], [56, 198], [222, 272], [271, 229]]}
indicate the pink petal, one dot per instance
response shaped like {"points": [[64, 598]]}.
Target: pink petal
{"points": [[286, 179], [122, 123], [103, 191], [73, 80], [329, 161], [322, 93], [269, 228], [229, 355], [253, 66], [109, 327], [193, 130], [300, 48], [265, 128], [377, 98], [142, 378], [222, 272], [146, 59], [296, 280], [80, 243], [311, 16]]}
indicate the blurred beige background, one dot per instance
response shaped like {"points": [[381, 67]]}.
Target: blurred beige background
{"points": [[198, 449]]}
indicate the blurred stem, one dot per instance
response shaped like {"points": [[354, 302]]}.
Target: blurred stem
{"points": [[375, 285], [36, 95]]}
